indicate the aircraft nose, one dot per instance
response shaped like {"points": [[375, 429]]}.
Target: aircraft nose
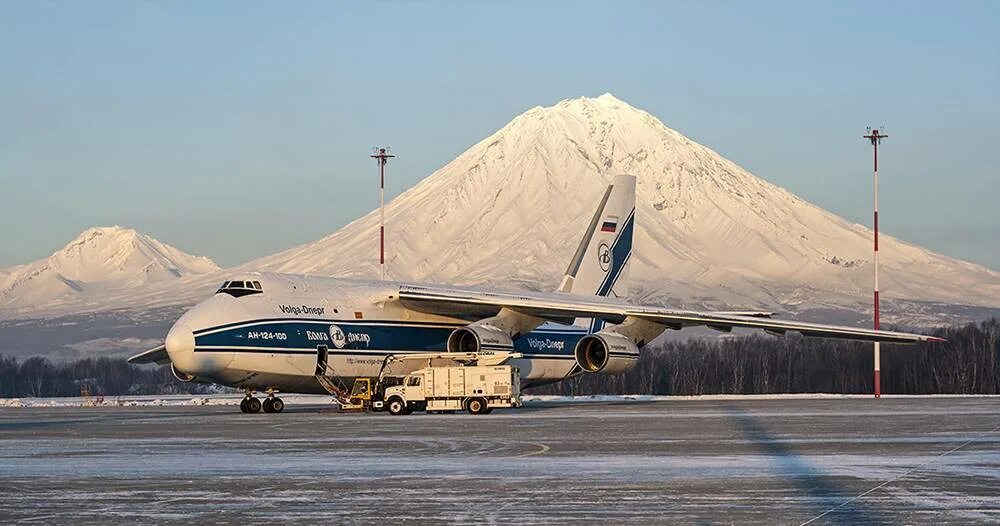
{"points": [[180, 348]]}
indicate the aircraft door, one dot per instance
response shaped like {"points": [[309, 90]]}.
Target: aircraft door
{"points": [[322, 352]]}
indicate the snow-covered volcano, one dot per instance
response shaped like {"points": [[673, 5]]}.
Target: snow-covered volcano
{"points": [[98, 261], [511, 208]]}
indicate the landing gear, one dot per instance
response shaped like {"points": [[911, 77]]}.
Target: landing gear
{"points": [[273, 404], [250, 405]]}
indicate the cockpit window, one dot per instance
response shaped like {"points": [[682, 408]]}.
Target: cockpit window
{"points": [[238, 289]]}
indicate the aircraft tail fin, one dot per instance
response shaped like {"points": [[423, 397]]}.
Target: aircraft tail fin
{"points": [[600, 264]]}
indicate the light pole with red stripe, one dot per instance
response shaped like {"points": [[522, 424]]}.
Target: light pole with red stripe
{"points": [[382, 156], [876, 137]]}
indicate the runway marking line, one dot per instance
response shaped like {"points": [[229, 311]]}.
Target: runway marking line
{"points": [[904, 475]]}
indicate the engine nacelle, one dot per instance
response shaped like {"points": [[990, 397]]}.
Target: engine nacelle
{"points": [[479, 338], [606, 352]]}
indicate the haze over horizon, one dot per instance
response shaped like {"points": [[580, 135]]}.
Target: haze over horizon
{"points": [[237, 131]]}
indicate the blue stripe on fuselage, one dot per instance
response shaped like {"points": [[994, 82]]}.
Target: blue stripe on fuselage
{"points": [[302, 335]]}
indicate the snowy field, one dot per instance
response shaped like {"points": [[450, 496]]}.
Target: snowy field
{"points": [[234, 399], [817, 459]]}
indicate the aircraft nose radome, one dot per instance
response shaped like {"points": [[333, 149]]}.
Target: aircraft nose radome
{"points": [[180, 348]]}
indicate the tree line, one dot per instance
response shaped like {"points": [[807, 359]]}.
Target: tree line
{"points": [[969, 362], [39, 377]]}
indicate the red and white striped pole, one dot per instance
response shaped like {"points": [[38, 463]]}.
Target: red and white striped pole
{"points": [[875, 137], [382, 156]]}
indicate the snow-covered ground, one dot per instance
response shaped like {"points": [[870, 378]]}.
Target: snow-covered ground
{"points": [[703, 460], [297, 399]]}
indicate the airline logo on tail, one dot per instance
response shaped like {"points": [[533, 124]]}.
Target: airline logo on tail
{"points": [[614, 259], [604, 256]]}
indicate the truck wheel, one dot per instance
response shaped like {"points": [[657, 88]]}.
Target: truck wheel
{"points": [[396, 407], [476, 406]]}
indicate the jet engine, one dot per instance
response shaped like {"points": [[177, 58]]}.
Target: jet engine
{"points": [[479, 338], [606, 352]]}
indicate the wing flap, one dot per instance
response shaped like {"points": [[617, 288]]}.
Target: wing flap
{"points": [[156, 355]]}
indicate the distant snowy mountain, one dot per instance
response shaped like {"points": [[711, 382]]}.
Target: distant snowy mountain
{"points": [[98, 261], [510, 210]]}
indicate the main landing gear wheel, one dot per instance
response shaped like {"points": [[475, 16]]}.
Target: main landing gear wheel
{"points": [[273, 405], [250, 405]]}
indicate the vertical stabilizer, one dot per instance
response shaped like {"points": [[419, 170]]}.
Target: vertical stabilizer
{"points": [[600, 263]]}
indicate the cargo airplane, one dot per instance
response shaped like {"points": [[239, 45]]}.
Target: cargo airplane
{"points": [[286, 333]]}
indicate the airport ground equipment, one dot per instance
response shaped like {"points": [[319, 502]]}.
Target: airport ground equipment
{"points": [[360, 398], [368, 393], [478, 385]]}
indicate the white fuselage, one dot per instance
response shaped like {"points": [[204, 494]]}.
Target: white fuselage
{"points": [[276, 338]]}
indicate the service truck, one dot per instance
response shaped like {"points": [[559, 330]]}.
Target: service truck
{"points": [[478, 387]]}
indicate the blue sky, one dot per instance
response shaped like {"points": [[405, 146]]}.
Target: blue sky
{"points": [[236, 129]]}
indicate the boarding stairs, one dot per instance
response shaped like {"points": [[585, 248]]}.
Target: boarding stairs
{"points": [[330, 381]]}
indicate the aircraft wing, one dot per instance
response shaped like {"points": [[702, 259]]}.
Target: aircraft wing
{"points": [[469, 303], [157, 356]]}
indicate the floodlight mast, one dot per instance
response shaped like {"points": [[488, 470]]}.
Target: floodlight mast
{"points": [[875, 137], [381, 155]]}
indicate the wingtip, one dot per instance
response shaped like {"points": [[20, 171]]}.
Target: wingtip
{"points": [[935, 339]]}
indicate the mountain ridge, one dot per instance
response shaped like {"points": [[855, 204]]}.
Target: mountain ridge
{"points": [[510, 209], [728, 237], [99, 260]]}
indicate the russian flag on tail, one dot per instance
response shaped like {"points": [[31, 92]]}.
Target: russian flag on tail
{"points": [[610, 224]]}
